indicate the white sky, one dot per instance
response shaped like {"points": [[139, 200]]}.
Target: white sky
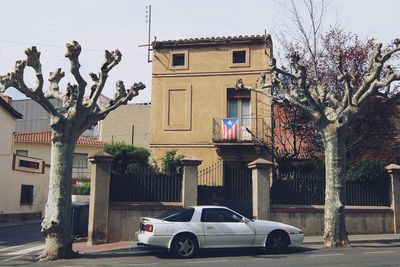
{"points": [[104, 24]]}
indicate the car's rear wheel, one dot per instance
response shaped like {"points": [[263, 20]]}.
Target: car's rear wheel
{"points": [[184, 246], [277, 242]]}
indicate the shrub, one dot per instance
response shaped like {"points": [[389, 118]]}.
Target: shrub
{"points": [[367, 170], [171, 162], [81, 189], [128, 158]]}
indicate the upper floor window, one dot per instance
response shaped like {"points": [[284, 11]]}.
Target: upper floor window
{"points": [[240, 58], [20, 152], [179, 60]]}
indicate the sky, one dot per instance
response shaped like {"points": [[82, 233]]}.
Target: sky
{"points": [[121, 24]]}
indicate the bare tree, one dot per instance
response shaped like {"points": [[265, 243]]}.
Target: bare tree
{"points": [[69, 120], [331, 88]]}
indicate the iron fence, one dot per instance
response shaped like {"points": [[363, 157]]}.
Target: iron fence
{"points": [[309, 189], [145, 186]]}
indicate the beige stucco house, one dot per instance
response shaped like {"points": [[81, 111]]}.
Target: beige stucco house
{"points": [[23, 180], [193, 89], [38, 145]]}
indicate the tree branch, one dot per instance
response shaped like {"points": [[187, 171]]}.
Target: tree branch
{"points": [[121, 98], [73, 52], [111, 60]]}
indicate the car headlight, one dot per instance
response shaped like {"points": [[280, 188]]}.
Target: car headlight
{"points": [[295, 232]]}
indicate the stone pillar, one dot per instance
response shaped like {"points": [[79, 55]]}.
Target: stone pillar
{"points": [[189, 183], [394, 172], [261, 174], [99, 197]]}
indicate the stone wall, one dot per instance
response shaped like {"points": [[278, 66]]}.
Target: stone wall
{"points": [[124, 218], [359, 220]]}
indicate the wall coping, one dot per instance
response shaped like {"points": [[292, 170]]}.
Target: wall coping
{"points": [[100, 157], [320, 209], [260, 163], [191, 161], [145, 205]]}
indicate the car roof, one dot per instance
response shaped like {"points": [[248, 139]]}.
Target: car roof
{"points": [[207, 206]]}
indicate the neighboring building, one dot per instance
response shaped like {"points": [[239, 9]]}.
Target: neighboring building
{"points": [[23, 180], [37, 119], [193, 89], [128, 123], [38, 145]]}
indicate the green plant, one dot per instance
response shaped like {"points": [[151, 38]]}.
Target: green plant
{"points": [[170, 162], [367, 170], [81, 189], [128, 158]]}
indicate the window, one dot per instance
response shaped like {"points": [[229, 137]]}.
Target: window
{"points": [[80, 160], [238, 57], [26, 194], [21, 152], [178, 60], [181, 215], [220, 215], [239, 107]]}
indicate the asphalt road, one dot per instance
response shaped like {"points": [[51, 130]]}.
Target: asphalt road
{"points": [[19, 244]]}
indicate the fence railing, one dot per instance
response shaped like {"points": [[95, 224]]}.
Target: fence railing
{"points": [[248, 130], [145, 186], [311, 191]]}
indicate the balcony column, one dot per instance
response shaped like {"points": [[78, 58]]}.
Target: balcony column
{"points": [[261, 175]]}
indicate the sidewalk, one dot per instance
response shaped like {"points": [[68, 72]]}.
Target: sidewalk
{"points": [[82, 246]]}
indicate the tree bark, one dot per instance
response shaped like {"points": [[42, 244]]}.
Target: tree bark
{"points": [[56, 226], [335, 234]]}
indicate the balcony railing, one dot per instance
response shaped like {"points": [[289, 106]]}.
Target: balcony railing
{"points": [[247, 130]]}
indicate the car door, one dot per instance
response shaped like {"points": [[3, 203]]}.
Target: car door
{"points": [[225, 228]]}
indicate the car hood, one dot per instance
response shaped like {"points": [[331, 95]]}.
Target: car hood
{"points": [[268, 226]]}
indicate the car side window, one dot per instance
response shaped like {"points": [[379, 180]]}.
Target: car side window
{"points": [[219, 215], [181, 215]]}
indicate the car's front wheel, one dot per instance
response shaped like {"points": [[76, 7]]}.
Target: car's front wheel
{"points": [[277, 242], [184, 246]]}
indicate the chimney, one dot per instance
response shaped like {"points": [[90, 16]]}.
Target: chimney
{"points": [[6, 98]]}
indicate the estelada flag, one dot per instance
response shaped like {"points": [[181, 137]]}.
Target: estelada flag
{"points": [[229, 128]]}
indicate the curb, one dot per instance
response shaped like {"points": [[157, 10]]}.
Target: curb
{"points": [[14, 224], [356, 241]]}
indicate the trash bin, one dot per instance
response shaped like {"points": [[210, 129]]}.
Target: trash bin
{"points": [[80, 218]]}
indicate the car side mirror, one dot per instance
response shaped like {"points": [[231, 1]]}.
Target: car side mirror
{"points": [[245, 220]]}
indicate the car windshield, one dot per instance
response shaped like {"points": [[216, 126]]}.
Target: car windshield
{"points": [[180, 215]]}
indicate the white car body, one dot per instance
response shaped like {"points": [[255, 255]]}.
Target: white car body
{"points": [[246, 233]]}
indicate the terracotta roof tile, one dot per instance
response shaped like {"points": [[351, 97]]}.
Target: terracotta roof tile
{"points": [[45, 138], [212, 40]]}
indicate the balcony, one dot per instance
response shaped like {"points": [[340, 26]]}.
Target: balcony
{"points": [[241, 138], [247, 130]]}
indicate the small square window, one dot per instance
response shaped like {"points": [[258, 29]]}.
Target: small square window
{"points": [[21, 152], [178, 60], [79, 160], [239, 57], [26, 194]]}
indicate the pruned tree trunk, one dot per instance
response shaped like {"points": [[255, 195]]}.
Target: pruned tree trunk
{"points": [[56, 226], [335, 234]]}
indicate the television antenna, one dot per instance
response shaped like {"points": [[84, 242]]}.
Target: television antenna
{"points": [[149, 44]]}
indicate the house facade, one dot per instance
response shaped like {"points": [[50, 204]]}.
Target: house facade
{"points": [[38, 145], [194, 90], [23, 180]]}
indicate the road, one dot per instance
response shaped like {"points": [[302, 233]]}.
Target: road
{"points": [[19, 244]]}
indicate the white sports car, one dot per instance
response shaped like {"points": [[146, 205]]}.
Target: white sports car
{"points": [[186, 230]]}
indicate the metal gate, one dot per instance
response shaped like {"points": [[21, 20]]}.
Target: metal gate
{"points": [[226, 184]]}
